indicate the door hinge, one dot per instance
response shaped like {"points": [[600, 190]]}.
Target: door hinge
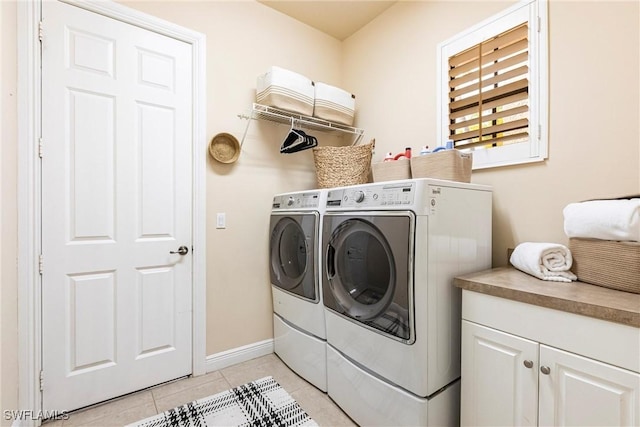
{"points": [[40, 32], [41, 263], [539, 24], [41, 380], [40, 147], [539, 132]]}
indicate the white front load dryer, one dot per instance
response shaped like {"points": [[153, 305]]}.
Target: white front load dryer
{"points": [[298, 314], [390, 253]]}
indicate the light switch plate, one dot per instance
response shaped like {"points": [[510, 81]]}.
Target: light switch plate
{"points": [[221, 220]]}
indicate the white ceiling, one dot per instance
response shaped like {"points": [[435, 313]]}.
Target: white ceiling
{"points": [[339, 19]]}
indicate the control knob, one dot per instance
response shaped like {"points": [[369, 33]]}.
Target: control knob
{"points": [[358, 196], [290, 201]]}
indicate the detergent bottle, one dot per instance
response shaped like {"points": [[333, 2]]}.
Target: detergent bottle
{"points": [[407, 154]]}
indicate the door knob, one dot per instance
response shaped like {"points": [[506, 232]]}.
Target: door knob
{"points": [[182, 250], [545, 370]]}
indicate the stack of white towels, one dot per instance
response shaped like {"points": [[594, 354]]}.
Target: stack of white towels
{"points": [[615, 220]]}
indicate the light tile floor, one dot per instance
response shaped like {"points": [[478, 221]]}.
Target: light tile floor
{"points": [[143, 404]]}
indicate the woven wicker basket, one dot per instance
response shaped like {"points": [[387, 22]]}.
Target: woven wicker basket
{"points": [[606, 263], [342, 166], [452, 165]]}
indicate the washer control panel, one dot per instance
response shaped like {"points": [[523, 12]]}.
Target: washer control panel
{"points": [[379, 195], [296, 201]]}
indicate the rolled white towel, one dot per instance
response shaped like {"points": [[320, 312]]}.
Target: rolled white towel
{"points": [[546, 261], [604, 219]]}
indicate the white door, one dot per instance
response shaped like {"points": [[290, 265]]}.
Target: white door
{"points": [[576, 391], [499, 378], [116, 200]]}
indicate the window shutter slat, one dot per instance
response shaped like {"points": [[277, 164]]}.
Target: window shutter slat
{"points": [[494, 94], [511, 74], [501, 91], [508, 37], [463, 69], [505, 127], [504, 101], [520, 58], [464, 57], [497, 141], [496, 116], [466, 78], [464, 90], [497, 55]]}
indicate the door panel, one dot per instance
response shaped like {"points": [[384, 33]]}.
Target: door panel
{"points": [[498, 389], [156, 170], [116, 199], [578, 391], [91, 299], [91, 161]]}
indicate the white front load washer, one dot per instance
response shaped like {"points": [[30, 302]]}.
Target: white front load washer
{"points": [[294, 257], [390, 252]]}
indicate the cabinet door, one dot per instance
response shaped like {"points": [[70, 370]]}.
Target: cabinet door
{"points": [[499, 378], [578, 391]]}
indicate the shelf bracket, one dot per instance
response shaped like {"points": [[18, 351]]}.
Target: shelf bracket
{"points": [[246, 129]]}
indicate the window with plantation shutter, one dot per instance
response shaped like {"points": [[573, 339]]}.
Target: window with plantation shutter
{"points": [[493, 95]]}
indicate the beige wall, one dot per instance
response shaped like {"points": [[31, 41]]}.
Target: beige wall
{"points": [[594, 140], [390, 66], [8, 211]]}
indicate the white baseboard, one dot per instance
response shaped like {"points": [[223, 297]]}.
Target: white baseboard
{"points": [[237, 355]]}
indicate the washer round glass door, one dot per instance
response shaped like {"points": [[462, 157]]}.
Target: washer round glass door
{"points": [[361, 269], [367, 266], [292, 253]]}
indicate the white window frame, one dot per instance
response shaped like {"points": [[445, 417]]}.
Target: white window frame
{"points": [[537, 147]]}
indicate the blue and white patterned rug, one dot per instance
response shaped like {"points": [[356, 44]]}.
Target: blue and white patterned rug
{"points": [[260, 403]]}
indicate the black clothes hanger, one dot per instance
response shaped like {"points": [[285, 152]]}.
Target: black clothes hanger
{"points": [[297, 140]]}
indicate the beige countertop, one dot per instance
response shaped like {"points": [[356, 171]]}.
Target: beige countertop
{"points": [[575, 297]]}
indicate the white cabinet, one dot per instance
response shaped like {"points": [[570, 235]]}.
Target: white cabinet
{"points": [[511, 376]]}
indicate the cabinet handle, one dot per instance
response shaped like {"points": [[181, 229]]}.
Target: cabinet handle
{"points": [[545, 370], [528, 363]]}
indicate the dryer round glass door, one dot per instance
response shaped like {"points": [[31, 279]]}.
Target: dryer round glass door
{"points": [[292, 254], [366, 277]]}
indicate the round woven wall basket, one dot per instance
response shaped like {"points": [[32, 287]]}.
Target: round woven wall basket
{"points": [[342, 166], [225, 148]]}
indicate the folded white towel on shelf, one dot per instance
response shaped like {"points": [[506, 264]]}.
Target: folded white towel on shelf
{"points": [[617, 220], [546, 261]]}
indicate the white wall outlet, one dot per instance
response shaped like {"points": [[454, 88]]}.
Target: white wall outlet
{"points": [[221, 220]]}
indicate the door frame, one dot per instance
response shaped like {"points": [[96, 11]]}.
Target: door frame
{"points": [[29, 187]]}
